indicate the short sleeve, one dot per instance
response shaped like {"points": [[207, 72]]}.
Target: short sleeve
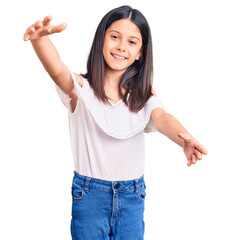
{"points": [[152, 103], [117, 121], [65, 99]]}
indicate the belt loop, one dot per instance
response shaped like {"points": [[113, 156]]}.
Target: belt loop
{"points": [[86, 184], [136, 186]]}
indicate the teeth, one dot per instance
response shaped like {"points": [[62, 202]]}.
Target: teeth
{"points": [[118, 57]]}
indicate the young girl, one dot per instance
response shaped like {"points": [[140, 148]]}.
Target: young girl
{"points": [[109, 109]]}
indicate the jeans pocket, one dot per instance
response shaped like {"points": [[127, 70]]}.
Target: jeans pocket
{"points": [[142, 193], [77, 191]]}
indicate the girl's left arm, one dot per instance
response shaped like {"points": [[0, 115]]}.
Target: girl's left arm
{"points": [[168, 125]]}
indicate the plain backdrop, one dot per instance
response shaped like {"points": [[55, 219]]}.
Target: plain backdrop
{"points": [[191, 49]]}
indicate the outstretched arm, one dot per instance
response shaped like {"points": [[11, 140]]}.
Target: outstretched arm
{"points": [[47, 53], [168, 125]]}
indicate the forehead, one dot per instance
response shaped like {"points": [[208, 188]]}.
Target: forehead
{"points": [[125, 26]]}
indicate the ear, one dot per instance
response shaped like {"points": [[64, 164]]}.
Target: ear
{"points": [[140, 54]]}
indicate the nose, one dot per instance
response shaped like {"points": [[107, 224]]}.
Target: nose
{"points": [[121, 46]]}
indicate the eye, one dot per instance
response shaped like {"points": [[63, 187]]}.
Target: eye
{"points": [[114, 36], [132, 42]]}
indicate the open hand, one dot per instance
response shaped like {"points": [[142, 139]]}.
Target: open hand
{"points": [[192, 148], [42, 28]]}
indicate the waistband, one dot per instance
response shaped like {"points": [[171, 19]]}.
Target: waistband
{"points": [[105, 185]]}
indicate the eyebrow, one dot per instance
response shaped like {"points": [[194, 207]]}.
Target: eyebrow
{"points": [[119, 32]]}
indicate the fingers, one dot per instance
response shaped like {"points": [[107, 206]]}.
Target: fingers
{"points": [[195, 157], [43, 28], [47, 20], [38, 24], [53, 29], [198, 154], [192, 160], [189, 163], [201, 148], [35, 27], [30, 30]]}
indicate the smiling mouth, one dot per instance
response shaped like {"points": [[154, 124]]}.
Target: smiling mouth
{"points": [[117, 57]]}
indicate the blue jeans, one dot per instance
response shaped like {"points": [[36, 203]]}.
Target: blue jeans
{"points": [[107, 210]]}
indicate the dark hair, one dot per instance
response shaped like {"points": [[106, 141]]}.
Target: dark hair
{"points": [[137, 79]]}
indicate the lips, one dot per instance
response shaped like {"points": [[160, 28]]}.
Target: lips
{"points": [[118, 57]]}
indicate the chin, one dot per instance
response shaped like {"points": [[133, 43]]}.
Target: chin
{"points": [[119, 69]]}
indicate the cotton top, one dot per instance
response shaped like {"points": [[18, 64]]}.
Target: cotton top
{"points": [[107, 142]]}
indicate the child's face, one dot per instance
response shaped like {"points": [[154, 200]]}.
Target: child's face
{"points": [[122, 45]]}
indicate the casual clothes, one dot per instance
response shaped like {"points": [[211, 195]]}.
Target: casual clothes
{"points": [[107, 141], [103, 210]]}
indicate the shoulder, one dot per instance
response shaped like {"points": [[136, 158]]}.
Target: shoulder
{"points": [[153, 92], [158, 109]]}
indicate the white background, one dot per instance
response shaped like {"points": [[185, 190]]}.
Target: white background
{"points": [[191, 49]]}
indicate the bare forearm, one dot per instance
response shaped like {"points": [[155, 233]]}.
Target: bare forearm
{"points": [[48, 55], [170, 127]]}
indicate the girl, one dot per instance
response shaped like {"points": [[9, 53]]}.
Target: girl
{"points": [[109, 109]]}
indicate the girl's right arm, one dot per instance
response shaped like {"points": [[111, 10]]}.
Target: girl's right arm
{"points": [[48, 55]]}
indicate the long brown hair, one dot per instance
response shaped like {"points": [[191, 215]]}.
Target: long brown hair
{"points": [[138, 78]]}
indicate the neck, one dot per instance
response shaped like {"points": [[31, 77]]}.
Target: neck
{"points": [[112, 78]]}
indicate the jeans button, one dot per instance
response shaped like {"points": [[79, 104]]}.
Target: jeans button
{"points": [[117, 185]]}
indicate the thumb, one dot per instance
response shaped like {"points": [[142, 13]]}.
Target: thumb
{"points": [[58, 28], [184, 136], [61, 27]]}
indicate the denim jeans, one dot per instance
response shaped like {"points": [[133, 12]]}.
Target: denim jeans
{"points": [[107, 210]]}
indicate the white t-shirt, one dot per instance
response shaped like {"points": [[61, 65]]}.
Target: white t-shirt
{"points": [[107, 141]]}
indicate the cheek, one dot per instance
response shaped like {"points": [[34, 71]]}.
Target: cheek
{"points": [[134, 53], [106, 48]]}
